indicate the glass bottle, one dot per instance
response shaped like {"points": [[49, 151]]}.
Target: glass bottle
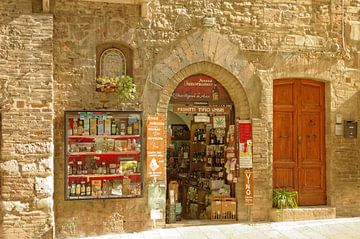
{"points": [[88, 188], [78, 189], [113, 127], [73, 189], [215, 92], [82, 189]]}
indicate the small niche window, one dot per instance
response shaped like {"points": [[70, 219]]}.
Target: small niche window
{"points": [[112, 63], [114, 60]]}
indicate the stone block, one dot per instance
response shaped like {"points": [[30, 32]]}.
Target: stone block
{"points": [[10, 167], [355, 30], [44, 186]]}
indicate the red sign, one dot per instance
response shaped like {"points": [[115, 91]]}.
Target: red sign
{"points": [[249, 187], [155, 147], [245, 143], [199, 88]]}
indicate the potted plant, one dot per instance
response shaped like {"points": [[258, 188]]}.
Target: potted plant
{"points": [[124, 86], [283, 198]]}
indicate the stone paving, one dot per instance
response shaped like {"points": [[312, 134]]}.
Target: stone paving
{"points": [[340, 228]]}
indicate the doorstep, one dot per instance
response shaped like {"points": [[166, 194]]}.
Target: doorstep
{"points": [[302, 213]]}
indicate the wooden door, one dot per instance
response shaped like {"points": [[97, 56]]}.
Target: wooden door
{"points": [[299, 156]]}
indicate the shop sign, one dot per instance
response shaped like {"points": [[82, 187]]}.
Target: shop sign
{"points": [[245, 143], [201, 109], [249, 187], [200, 88], [155, 147]]}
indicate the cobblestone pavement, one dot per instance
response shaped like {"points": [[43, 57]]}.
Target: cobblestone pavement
{"points": [[340, 228]]}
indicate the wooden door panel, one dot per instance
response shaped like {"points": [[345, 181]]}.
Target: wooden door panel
{"points": [[311, 94], [284, 177], [311, 178], [284, 137], [312, 186], [299, 157], [284, 93], [310, 137]]}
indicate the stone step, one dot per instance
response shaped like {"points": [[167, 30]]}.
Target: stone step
{"points": [[302, 213]]}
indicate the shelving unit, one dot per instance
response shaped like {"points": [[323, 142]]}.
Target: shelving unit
{"points": [[103, 155]]}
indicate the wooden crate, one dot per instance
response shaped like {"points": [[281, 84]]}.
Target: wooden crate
{"points": [[216, 204], [228, 209], [223, 209]]}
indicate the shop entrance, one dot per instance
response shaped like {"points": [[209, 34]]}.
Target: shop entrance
{"points": [[299, 142], [200, 134]]}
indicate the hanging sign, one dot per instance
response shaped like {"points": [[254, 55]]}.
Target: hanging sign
{"points": [[245, 143], [155, 147], [249, 187], [200, 88]]}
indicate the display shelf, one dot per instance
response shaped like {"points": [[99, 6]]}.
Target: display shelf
{"points": [[104, 197], [102, 175], [103, 155], [115, 153], [104, 136]]}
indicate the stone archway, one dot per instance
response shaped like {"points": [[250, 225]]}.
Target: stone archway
{"points": [[210, 53], [228, 81]]}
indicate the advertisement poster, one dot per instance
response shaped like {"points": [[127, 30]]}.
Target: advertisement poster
{"points": [[245, 143], [155, 147]]}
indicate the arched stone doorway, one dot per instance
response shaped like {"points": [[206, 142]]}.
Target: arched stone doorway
{"points": [[236, 100]]}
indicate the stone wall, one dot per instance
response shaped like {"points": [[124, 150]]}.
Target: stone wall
{"points": [[78, 28], [243, 44], [254, 42], [26, 85]]}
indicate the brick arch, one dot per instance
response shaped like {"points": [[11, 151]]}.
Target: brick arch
{"points": [[224, 77]]}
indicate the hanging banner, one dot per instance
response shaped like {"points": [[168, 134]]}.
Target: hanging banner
{"points": [[245, 143], [155, 147], [249, 187]]}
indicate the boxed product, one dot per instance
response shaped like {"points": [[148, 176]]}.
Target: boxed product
{"points": [[100, 126], [117, 187], [93, 126], [110, 144], [107, 127], [121, 144], [96, 188]]}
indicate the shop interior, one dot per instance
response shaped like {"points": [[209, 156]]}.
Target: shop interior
{"points": [[201, 161]]}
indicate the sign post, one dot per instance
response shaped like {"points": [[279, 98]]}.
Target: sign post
{"points": [[155, 147], [155, 165], [245, 158]]}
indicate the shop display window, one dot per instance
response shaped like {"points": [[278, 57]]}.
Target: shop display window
{"points": [[102, 155]]}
